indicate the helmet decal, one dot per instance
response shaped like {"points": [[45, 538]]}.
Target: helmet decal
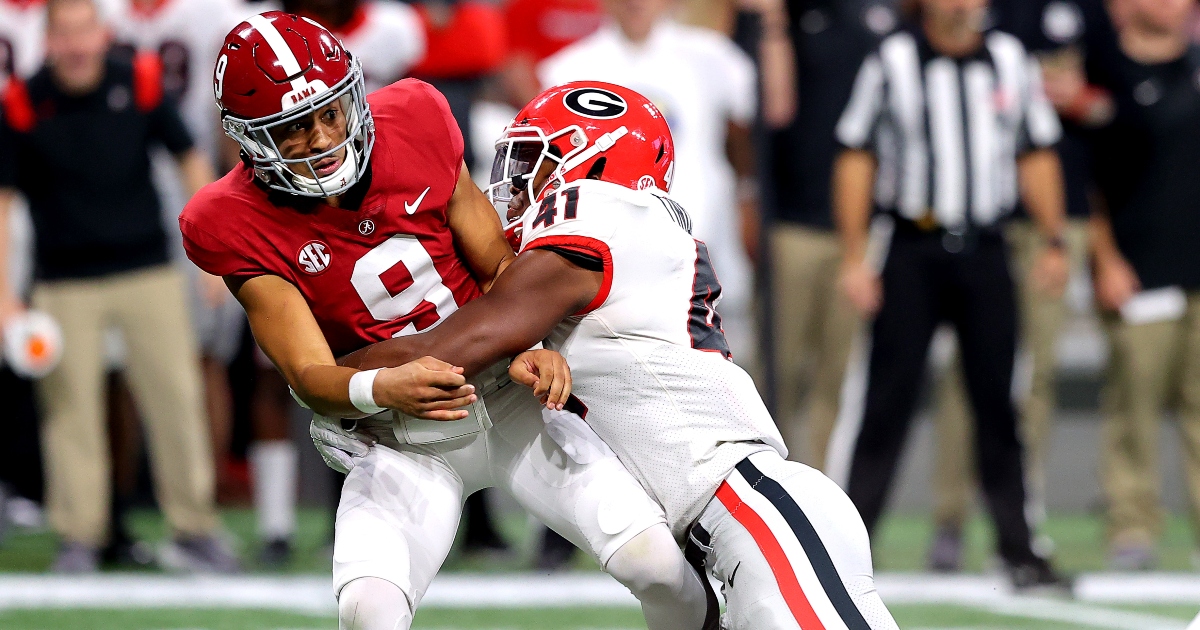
{"points": [[595, 103]]}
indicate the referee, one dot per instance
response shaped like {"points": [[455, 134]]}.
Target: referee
{"points": [[946, 123]]}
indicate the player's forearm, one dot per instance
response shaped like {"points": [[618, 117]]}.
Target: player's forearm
{"points": [[474, 347], [528, 301], [325, 389]]}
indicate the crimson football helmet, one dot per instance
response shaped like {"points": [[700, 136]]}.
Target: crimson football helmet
{"points": [[276, 68], [585, 128]]}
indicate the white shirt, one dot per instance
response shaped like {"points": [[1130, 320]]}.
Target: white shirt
{"points": [[388, 41], [646, 355], [701, 81], [22, 38]]}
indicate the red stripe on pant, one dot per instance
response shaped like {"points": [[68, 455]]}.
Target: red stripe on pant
{"points": [[785, 576]]}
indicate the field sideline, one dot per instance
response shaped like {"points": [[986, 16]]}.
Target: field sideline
{"points": [[524, 600], [497, 593]]}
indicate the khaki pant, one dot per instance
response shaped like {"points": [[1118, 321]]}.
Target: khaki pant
{"points": [[814, 325], [150, 308], [1151, 366], [1041, 320]]}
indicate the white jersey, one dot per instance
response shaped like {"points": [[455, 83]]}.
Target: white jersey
{"points": [[387, 38], [22, 31], [701, 81], [187, 36], [648, 359]]}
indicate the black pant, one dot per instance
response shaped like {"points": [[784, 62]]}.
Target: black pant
{"points": [[924, 285]]}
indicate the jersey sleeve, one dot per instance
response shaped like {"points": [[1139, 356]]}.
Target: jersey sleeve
{"points": [[1042, 128], [210, 252], [577, 227], [740, 84], [856, 128], [444, 119]]}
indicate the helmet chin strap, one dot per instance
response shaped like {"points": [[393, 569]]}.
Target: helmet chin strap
{"points": [[344, 172]]}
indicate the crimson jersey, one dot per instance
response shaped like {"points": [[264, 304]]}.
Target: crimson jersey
{"points": [[387, 269]]}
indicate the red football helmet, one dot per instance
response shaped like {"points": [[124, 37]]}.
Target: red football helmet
{"points": [[584, 127], [276, 68]]}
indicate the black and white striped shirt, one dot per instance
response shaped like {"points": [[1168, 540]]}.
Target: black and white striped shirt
{"points": [[947, 131]]}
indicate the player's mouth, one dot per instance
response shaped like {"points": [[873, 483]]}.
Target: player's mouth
{"points": [[326, 166]]}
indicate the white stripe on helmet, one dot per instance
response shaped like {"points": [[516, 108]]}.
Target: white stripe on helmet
{"points": [[301, 88], [275, 41]]}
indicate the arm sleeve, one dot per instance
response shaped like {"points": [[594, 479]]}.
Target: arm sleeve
{"points": [[856, 128], [444, 119], [1042, 128], [740, 83], [8, 155], [212, 255], [167, 126]]}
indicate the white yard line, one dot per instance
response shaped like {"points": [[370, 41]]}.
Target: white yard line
{"points": [[1080, 614], [314, 594]]}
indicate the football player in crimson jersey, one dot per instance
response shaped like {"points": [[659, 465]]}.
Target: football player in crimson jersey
{"points": [[610, 275], [352, 220]]}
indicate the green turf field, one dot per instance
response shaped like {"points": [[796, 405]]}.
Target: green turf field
{"points": [[900, 544], [900, 547], [908, 617]]}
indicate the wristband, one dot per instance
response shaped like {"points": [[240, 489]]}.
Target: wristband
{"points": [[362, 394]]}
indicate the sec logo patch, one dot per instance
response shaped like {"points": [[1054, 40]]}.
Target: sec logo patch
{"points": [[314, 257]]}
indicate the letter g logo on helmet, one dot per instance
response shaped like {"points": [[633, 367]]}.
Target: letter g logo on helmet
{"points": [[595, 103]]}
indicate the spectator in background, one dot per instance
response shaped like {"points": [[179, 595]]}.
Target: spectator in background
{"points": [[184, 35], [1074, 42], [75, 140], [22, 34], [1147, 268], [813, 322], [538, 29], [706, 88], [946, 126]]}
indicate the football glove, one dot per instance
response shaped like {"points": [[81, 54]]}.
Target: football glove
{"points": [[337, 446]]}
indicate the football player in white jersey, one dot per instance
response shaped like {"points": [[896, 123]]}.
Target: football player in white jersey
{"points": [[611, 277]]}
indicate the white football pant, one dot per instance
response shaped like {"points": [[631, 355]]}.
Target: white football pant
{"points": [[789, 549], [401, 504]]}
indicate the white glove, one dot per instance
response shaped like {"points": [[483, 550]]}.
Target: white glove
{"points": [[337, 446]]}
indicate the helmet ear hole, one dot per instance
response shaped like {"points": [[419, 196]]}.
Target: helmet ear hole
{"points": [[597, 169]]}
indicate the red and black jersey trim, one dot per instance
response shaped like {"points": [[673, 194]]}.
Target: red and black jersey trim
{"points": [[704, 322], [810, 541], [587, 246]]}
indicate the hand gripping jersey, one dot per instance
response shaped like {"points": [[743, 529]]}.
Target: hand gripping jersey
{"points": [[385, 269], [648, 358]]}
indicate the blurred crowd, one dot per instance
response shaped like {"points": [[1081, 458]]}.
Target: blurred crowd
{"points": [[795, 161]]}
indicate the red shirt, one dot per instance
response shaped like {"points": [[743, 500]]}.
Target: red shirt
{"points": [[541, 28], [472, 44], [389, 268]]}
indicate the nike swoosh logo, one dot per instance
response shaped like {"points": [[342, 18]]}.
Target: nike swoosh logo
{"points": [[412, 207], [734, 574]]}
